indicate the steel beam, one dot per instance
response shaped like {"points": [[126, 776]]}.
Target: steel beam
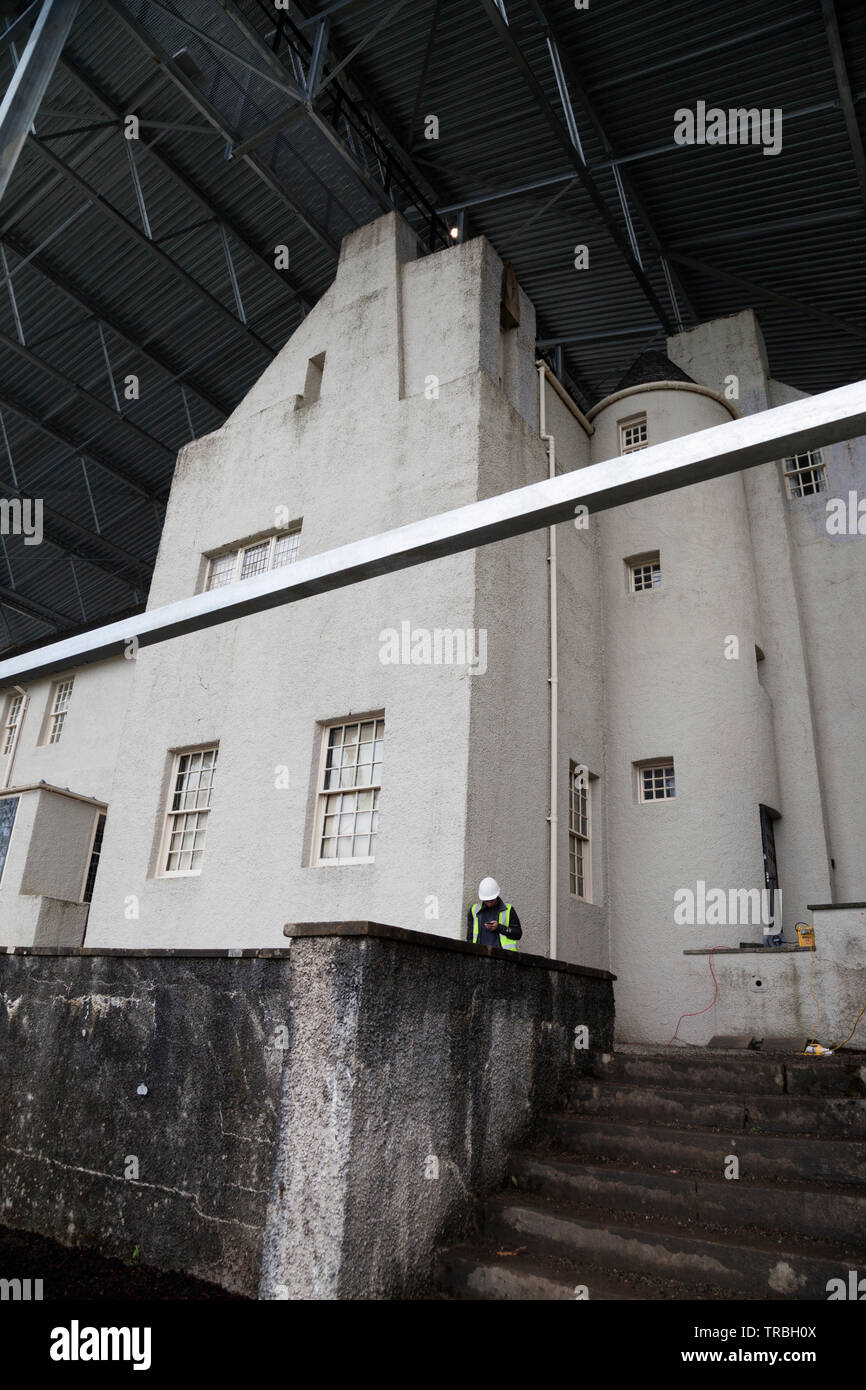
{"points": [[713, 453], [846, 97], [716, 272], [625, 188], [18, 26], [121, 564], [126, 332], [133, 234], [359, 47], [116, 417], [210, 112], [586, 179], [30, 79], [14, 212], [31, 608], [640, 331], [329, 10], [210, 41], [306, 109], [61, 437], [769, 228], [317, 59], [165, 162], [351, 103]]}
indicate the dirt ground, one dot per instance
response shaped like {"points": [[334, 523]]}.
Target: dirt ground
{"points": [[77, 1273]]}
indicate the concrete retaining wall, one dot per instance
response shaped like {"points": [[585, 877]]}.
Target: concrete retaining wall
{"points": [[317, 1119]]}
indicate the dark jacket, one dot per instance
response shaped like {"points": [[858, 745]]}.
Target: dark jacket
{"points": [[490, 915]]}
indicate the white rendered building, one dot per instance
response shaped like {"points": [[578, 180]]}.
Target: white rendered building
{"points": [[373, 752]]}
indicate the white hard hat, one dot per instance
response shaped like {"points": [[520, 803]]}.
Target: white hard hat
{"points": [[488, 888]]}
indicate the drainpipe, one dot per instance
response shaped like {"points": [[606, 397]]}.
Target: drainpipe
{"points": [[553, 678], [25, 700]]}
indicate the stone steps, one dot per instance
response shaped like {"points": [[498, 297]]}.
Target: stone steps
{"points": [[624, 1192], [733, 1112], [704, 1150], [838, 1075], [816, 1211], [744, 1263]]}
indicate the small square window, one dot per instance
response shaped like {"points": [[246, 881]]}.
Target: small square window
{"points": [[633, 435], [805, 474], [644, 572], [656, 781]]}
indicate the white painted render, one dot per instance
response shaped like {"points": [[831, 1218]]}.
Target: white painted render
{"points": [[411, 420]]}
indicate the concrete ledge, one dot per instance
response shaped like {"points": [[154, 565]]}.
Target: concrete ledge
{"points": [[833, 907], [383, 932], [153, 952], [757, 949]]}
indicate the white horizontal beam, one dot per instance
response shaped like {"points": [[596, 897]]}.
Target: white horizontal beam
{"points": [[694, 458]]}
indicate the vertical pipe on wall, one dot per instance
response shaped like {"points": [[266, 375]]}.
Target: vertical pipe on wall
{"points": [[553, 677]]}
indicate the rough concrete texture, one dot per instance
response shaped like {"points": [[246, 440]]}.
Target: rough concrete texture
{"points": [[80, 1034], [413, 1069], [293, 1102]]}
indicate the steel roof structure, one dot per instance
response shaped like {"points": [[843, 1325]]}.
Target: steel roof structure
{"points": [[148, 281]]}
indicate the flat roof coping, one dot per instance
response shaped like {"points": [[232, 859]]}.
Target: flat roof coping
{"points": [[385, 932]]}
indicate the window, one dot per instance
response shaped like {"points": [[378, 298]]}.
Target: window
{"points": [[95, 851], [644, 572], [188, 811], [13, 719], [656, 781], [59, 709], [632, 435], [579, 848], [805, 474], [269, 554], [349, 787], [8, 807]]}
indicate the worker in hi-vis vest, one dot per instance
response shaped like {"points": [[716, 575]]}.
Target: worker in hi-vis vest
{"points": [[490, 921]]}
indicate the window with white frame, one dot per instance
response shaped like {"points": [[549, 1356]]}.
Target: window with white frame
{"points": [[61, 695], [805, 474], [633, 434], [656, 781], [349, 785], [579, 831], [644, 572], [189, 806], [269, 553], [14, 706]]}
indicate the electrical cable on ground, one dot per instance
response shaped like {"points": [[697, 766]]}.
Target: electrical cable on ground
{"points": [[811, 991], [853, 1030]]}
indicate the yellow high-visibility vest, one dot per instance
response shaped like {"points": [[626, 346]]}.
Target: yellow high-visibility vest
{"points": [[505, 942]]}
